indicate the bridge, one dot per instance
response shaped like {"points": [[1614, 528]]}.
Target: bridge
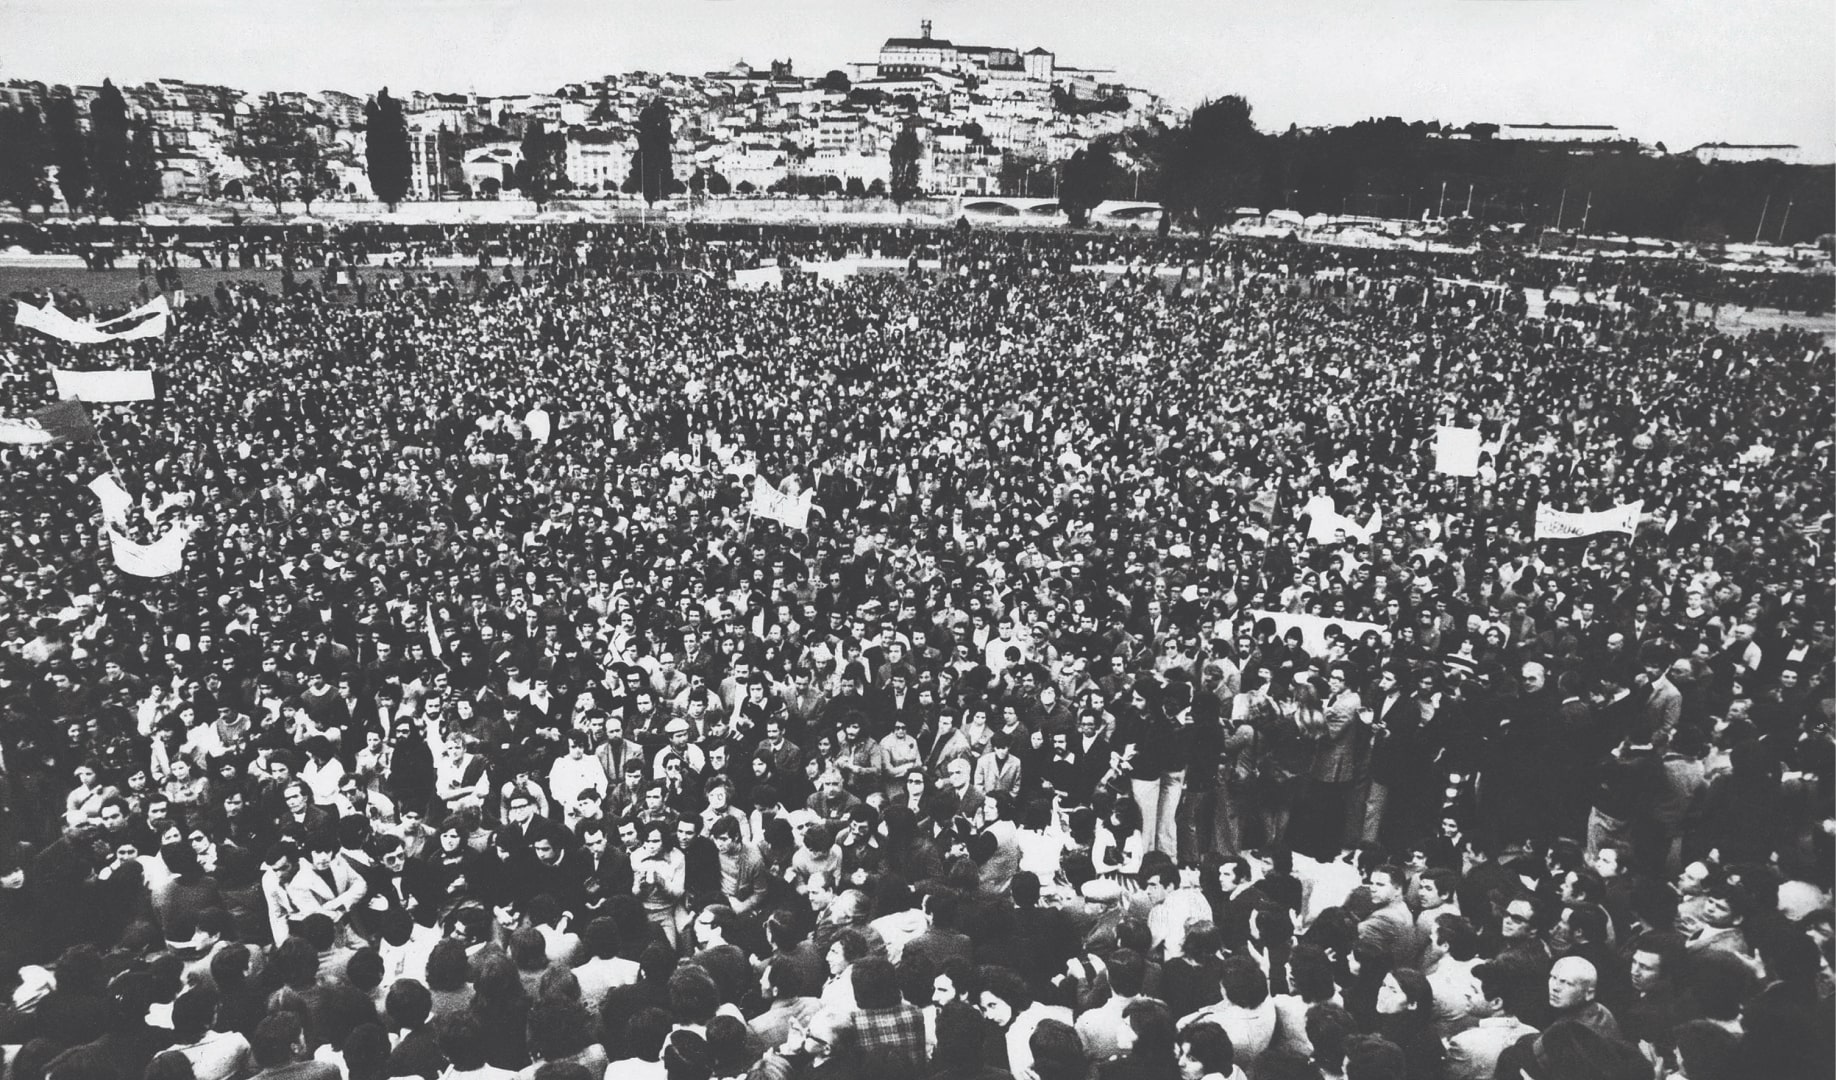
{"points": [[1005, 206]]}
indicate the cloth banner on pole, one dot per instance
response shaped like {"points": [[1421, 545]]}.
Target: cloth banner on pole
{"points": [[832, 271], [1326, 523], [1456, 451], [103, 385], [1313, 628], [156, 306], [1553, 524], [791, 511], [115, 501], [162, 558]]}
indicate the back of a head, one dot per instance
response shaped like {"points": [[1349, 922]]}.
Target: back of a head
{"points": [[1127, 972], [1245, 984], [275, 1039], [529, 949], [1058, 1052], [1707, 1051], [170, 1065], [645, 1032], [960, 1034], [408, 1003], [366, 1053], [1372, 1058], [461, 1040], [686, 1057], [875, 983], [693, 995], [193, 1012]]}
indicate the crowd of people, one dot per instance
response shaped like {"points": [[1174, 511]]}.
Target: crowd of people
{"points": [[490, 730]]}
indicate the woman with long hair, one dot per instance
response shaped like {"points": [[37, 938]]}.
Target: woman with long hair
{"points": [[1119, 845], [1405, 1016], [500, 1004]]}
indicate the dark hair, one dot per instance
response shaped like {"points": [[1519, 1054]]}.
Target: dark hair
{"points": [[1245, 984], [1310, 974], [461, 1040], [1329, 1028], [1006, 984], [960, 1032], [693, 995], [366, 1052], [1210, 1046], [529, 949], [1127, 972], [686, 1057], [168, 1065], [1153, 1027], [558, 1028], [408, 1003], [1058, 1051], [276, 1036], [876, 984], [448, 969], [645, 1032], [193, 1012]]}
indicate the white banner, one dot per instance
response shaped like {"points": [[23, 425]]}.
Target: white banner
{"points": [[104, 385], [49, 320], [23, 433], [162, 558], [832, 271], [791, 511], [1326, 521], [1552, 524], [1313, 628], [115, 502], [765, 277], [1456, 451]]}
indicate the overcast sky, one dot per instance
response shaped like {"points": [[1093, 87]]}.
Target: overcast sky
{"points": [[1679, 71]]}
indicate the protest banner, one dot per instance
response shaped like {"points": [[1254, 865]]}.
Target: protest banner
{"points": [[162, 558], [116, 502], [1325, 523], [103, 385], [51, 322], [1456, 451], [765, 277], [1314, 628], [1553, 524], [791, 511]]}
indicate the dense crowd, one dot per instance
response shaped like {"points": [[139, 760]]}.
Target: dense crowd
{"points": [[488, 730], [1598, 272]]}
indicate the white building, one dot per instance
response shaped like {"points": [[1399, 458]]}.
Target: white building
{"points": [[1787, 153], [1559, 133], [598, 163]]}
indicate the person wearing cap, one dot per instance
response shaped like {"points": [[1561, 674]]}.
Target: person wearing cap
{"points": [[694, 760]]}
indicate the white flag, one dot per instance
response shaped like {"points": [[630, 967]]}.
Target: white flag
{"points": [[1326, 522], [49, 320], [115, 502], [1552, 524], [161, 558], [791, 511], [23, 433], [103, 385], [1456, 451]]}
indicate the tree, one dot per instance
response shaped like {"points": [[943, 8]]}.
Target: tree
{"points": [[1214, 163], [835, 80], [653, 165], [747, 187], [142, 180], [697, 182], [108, 136], [280, 152], [718, 185], [67, 150], [832, 185], [538, 174], [385, 148], [856, 189], [906, 149], [24, 152], [1085, 183], [233, 190], [489, 187], [877, 189]]}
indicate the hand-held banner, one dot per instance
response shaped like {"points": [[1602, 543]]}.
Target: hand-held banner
{"points": [[791, 511], [1553, 524], [103, 385]]}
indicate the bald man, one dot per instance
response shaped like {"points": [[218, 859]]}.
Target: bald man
{"points": [[1572, 983]]}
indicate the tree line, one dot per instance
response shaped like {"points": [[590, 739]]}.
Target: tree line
{"points": [[1206, 169], [111, 169]]}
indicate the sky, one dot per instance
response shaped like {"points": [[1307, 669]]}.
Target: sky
{"points": [[1677, 71]]}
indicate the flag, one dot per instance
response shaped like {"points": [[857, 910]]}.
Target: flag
{"points": [[115, 502], [1456, 451], [1552, 524], [103, 385], [1263, 505], [50, 321], [162, 558], [156, 306], [23, 433], [791, 511], [67, 420], [1325, 523], [433, 634]]}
